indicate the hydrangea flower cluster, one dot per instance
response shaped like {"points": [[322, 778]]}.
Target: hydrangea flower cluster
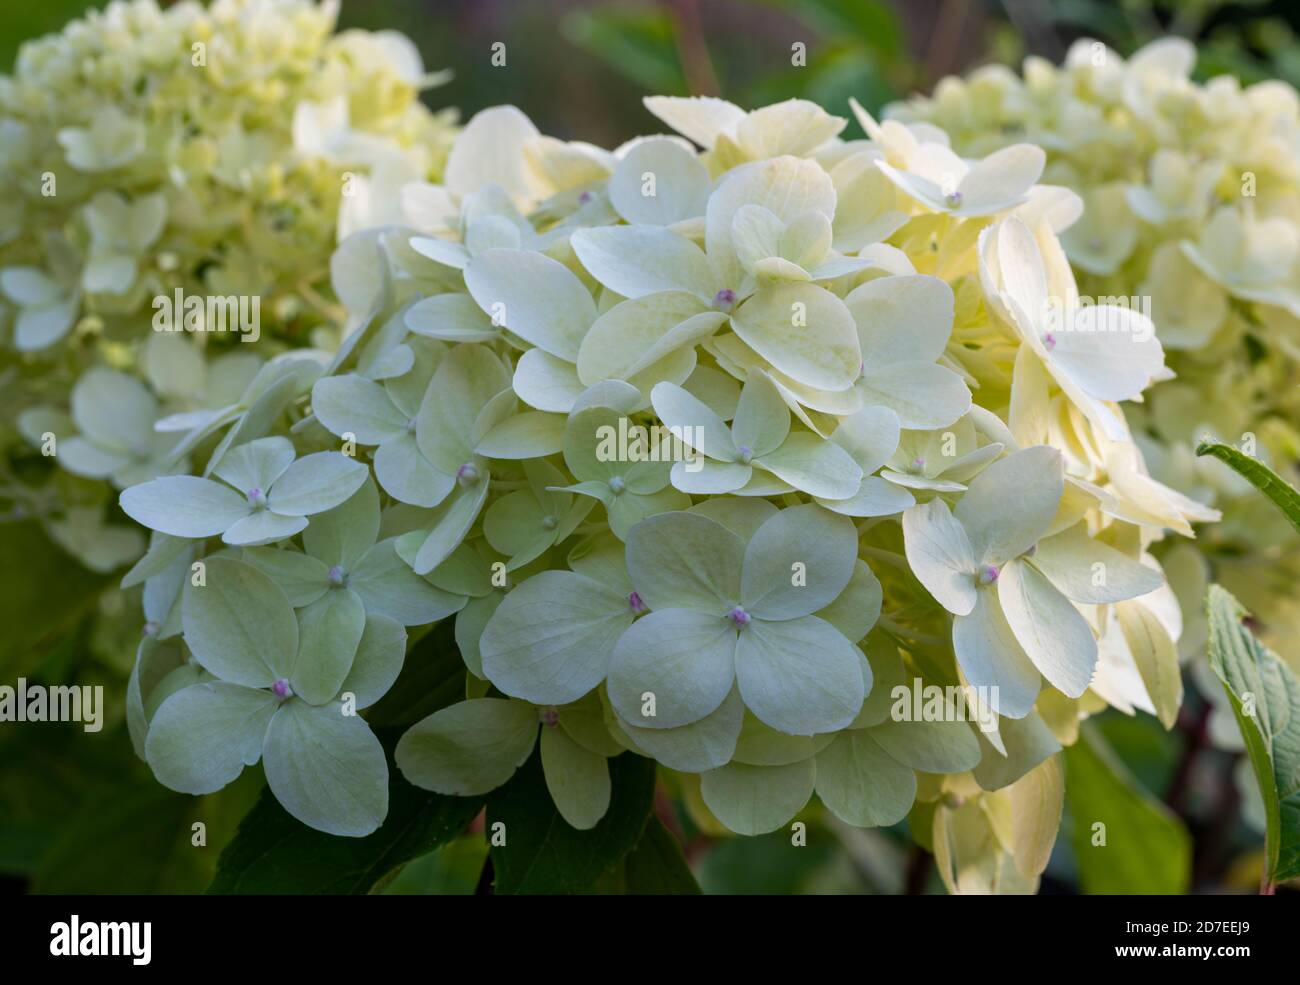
{"points": [[1192, 206], [161, 160], [718, 446]]}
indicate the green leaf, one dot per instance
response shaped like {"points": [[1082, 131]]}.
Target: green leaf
{"points": [[139, 838], [273, 853], [1265, 698], [43, 596], [656, 865], [1259, 475], [637, 44], [1146, 848], [542, 853]]}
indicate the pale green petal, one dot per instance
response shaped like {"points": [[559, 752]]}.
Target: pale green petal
{"points": [[693, 422], [680, 189], [239, 624], [550, 640], [203, 736], [885, 671], [184, 506], [468, 748], [453, 317], [546, 382], [672, 667], [578, 780], [516, 525], [378, 662], [798, 562], [635, 261], [463, 384], [316, 483], [343, 534], [255, 465], [163, 552], [685, 560], [931, 747], [303, 577], [451, 522], [861, 784], [628, 509], [1028, 742], [600, 558], [817, 467], [636, 334], [356, 406], [715, 389], [941, 556], [113, 409], [792, 126], [470, 623], [875, 497], [39, 327], [1055, 636], [468, 571], [531, 434], [786, 185], [762, 745], [327, 769], [407, 475], [991, 657], [1086, 570], [755, 235], [856, 609], [909, 481], [590, 444], [81, 457], [263, 527], [699, 746], [870, 436], [706, 477], [1012, 503], [805, 332], [924, 395], [799, 676], [1001, 179], [700, 118], [584, 722], [328, 633], [902, 319], [154, 662], [388, 587], [753, 800], [762, 420], [742, 517], [28, 286], [537, 298], [1110, 353], [174, 367]]}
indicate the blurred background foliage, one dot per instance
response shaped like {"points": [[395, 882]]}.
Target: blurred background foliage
{"points": [[78, 812]]}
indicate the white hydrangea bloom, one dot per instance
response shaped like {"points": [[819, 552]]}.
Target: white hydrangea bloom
{"points": [[707, 468]]}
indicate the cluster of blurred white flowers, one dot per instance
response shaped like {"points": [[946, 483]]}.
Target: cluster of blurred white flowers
{"points": [[1192, 204], [208, 152], [716, 446]]}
